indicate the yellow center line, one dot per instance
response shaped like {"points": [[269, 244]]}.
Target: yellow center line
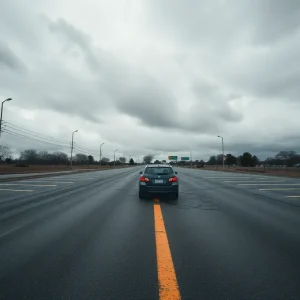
{"points": [[167, 281]]}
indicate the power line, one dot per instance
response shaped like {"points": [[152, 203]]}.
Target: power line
{"points": [[36, 135], [85, 152], [31, 132], [14, 130], [85, 149], [32, 139]]}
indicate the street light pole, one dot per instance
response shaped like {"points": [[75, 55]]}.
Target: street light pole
{"points": [[100, 154], [8, 99], [222, 149], [191, 156], [115, 157], [72, 146]]}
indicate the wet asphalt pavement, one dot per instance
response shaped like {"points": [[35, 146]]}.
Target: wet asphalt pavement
{"points": [[89, 236]]}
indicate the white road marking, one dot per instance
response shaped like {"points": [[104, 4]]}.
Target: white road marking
{"points": [[276, 189], [12, 190], [231, 177], [56, 182], [269, 184], [243, 181], [14, 184], [56, 178], [246, 178], [75, 178], [293, 196], [10, 231]]}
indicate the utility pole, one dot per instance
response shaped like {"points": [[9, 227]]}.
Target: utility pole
{"points": [[8, 99], [191, 156], [222, 150], [72, 146], [100, 154], [115, 157]]}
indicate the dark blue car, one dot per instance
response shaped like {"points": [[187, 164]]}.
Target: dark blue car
{"points": [[158, 179]]}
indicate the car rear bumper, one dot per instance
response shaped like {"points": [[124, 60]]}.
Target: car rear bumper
{"points": [[159, 189]]}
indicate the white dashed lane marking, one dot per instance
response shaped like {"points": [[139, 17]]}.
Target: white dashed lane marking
{"points": [[48, 181], [268, 184], [244, 181], [281, 186], [280, 189], [13, 190], [21, 184]]}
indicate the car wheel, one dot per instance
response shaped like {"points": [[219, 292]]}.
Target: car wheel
{"points": [[141, 195], [175, 196]]}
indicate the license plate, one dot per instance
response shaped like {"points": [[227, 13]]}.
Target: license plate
{"points": [[159, 181]]}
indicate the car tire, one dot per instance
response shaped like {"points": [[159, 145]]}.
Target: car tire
{"points": [[175, 196], [141, 195]]}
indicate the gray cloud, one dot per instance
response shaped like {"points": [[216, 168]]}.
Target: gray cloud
{"points": [[150, 107], [9, 59], [166, 75], [215, 103], [274, 19], [76, 37], [252, 46], [219, 22]]}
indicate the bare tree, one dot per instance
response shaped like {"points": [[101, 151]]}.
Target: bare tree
{"points": [[59, 158], [91, 159], [148, 158], [43, 157], [104, 161], [81, 158], [29, 156], [122, 160], [5, 153]]}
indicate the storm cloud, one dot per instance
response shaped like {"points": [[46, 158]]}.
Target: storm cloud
{"points": [[154, 76], [9, 59]]}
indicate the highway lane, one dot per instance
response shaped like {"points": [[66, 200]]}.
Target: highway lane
{"points": [[21, 175], [88, 236]]}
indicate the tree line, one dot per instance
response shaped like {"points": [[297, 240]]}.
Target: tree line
{"points": [[33, 156], [282, 158]]}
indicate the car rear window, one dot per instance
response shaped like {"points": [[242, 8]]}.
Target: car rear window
{"points": [[159, 171]]}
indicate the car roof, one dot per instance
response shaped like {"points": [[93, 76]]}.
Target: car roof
{"points": [[159, 166]]}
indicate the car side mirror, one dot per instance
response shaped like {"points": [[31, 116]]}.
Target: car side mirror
{"points": [[176, 173], [141, 172]]}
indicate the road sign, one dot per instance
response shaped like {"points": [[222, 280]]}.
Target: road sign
{"points": [[172, 157], [185, 158]]}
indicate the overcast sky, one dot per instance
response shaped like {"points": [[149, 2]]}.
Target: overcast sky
{"points": [[153, 76]]}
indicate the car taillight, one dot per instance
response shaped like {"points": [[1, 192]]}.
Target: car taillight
{"points": [[144, 179], [173, 179]]}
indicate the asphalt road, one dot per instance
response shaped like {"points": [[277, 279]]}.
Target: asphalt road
{"points": [[88, 236], [24, 175]]}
